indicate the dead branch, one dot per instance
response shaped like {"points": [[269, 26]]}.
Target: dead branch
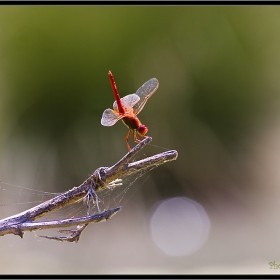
{"points": [[102, 178]]}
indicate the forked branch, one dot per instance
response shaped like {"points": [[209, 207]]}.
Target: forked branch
{"points": [[102, 178]]}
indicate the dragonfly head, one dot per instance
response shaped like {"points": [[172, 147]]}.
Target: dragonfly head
{"points": [[142, 129]]}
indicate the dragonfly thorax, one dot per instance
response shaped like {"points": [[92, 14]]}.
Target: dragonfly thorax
{"points": [[132, 122]]}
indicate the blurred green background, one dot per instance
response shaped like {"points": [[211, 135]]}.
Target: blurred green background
{"points": [[217, 104]]}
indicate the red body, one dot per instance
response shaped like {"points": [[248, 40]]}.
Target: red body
{"points": [[130, 120], [129, 107]]}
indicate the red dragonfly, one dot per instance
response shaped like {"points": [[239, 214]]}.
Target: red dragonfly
{"points": [[128, 107]]}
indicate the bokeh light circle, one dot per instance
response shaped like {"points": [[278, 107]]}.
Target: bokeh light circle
{"points": [[179, 226]]}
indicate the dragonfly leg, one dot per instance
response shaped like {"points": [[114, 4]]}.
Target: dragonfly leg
{"points": [[126, 140], [135, 139]]}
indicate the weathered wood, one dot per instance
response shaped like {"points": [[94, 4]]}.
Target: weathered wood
{"points": [[102, 178]]}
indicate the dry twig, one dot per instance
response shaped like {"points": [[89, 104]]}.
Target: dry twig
{"points": [[102, 178]]}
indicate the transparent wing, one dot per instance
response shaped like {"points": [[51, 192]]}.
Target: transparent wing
{"points": [[144, 93], [128, 102], [110, 117]]}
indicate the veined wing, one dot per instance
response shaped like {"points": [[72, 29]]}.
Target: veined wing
{"points": [[110, 117], [145, 92], [128, 102]]}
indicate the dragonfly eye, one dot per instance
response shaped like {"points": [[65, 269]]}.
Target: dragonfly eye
{"points": [[142, 129]]}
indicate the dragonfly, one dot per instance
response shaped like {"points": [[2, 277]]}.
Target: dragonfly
{"points": [[128, 107]]}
